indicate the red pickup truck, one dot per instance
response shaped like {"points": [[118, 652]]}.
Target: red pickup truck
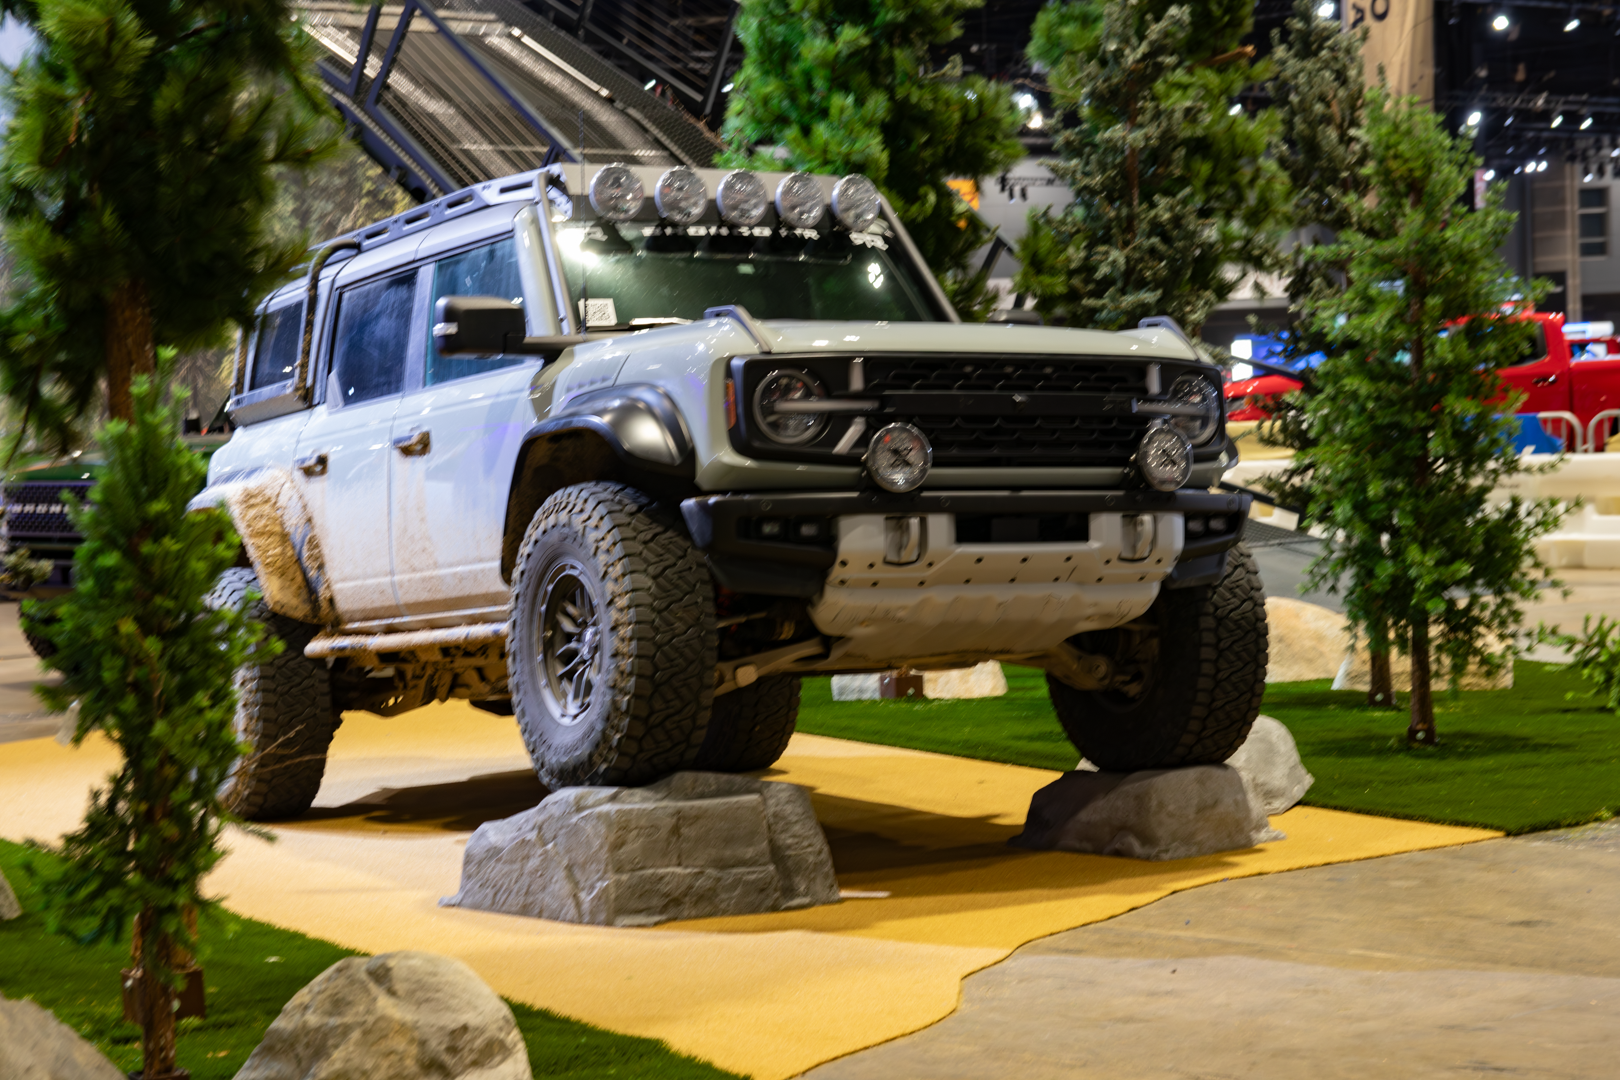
{"points": [[1555, 381]]}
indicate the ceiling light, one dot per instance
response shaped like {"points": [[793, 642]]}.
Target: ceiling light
{"points": [[1035, 121], [1573, 24], [1541, 166], [1474, 118], [1559, 119], [1615, 152], [1327, 10], [1586, 123], [650, 84], [1509, 121], [1490, 174], [1588, 177], [726, 89], [1236, 108], [1500, 23], [1026, 101]]}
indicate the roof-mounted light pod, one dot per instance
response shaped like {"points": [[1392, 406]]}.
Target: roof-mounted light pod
{"points": [[856, 202], [741, 198], [680, 195], [798, 201], [616, 192]]}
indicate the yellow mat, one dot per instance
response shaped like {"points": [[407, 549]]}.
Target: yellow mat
{"points": [[767, 995]]}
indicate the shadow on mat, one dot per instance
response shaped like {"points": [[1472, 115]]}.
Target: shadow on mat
{"points": [[460, 806]]}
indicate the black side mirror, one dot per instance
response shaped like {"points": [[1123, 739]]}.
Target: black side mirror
{"points": [[477, 326], [1015, 317]]}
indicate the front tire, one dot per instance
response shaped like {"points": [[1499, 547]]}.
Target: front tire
{"points": [[611, 650], [283, 709], [749, 728], [1190, 675]]}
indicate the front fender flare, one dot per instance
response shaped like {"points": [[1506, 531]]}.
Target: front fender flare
{"points": [[279, 538], [640, 421]]}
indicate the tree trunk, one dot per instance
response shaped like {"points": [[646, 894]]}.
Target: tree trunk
{"points": [[1380, 683], [1421, 729], [129, 347], [157, 1003]]}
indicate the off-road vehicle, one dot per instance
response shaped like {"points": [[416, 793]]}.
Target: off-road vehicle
{"points": [[627, 456]]}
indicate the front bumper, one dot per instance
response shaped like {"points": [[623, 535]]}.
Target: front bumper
{"points": [[727, 528]]}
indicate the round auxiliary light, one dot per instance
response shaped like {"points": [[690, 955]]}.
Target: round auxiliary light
{"points": [[798, 201], [616, 192], [899, 457], [856, 202], [1199, 393], [680, 195], [776, 401], [741, 197], [1164, 457]]}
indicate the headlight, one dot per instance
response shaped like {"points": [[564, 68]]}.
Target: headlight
{"points": [[798, 201], [1199, 393], [741, 198], [1164, 457], [680, 195], [856, 202], [899, 457], [774, 402], [616, 193]]}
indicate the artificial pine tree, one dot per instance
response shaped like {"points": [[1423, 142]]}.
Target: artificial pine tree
{"points": [[135, 177], [1173, 189], [844, 86], [1409, 431], [152, 667]]}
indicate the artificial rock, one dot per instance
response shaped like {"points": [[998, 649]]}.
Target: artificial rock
{"points": [[1154, 814], [977, 681], [1270, 766], [398, 1016], [1356, 674], [9, 907], [693, 845], [35, 1045], [1307, 641]]}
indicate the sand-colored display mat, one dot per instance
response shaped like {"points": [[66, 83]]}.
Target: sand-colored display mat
{"points": [[767, 995]]}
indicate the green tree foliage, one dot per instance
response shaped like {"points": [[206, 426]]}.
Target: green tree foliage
{"points": [[151, 667], [134, 183], [844, 86], [1410, 431], [1172, 191]]}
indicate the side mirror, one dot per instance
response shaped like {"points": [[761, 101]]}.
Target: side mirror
{"points": [[1015, 317], [477, 326]]}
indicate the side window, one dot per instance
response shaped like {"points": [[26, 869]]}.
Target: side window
{"points": [[491, 270], [373, 332], [275, 354]]}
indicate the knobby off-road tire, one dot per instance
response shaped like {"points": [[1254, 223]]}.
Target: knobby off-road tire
{"points": [[1203, 665], [283, 708], [750, 727], [611, 650]]}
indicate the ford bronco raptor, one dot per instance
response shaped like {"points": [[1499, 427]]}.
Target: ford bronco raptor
{"points": [[626, 458]]}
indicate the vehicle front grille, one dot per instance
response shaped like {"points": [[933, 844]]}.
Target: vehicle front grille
{"points": [[35, 511], [1029, 375]]}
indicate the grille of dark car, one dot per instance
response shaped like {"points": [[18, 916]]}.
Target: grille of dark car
{"points": [[36, 511], [1018, 440]]}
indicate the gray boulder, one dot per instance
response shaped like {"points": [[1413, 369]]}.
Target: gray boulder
{"points": [[1269, 763], [9, 908], [35, 1045], [398, 1016], [692, 845], [1156, 814]]}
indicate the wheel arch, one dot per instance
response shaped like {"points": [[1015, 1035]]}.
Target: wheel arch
{"points": [[278, 542]]}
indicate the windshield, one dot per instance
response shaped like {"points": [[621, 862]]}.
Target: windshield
{"points": [[641, 275]]}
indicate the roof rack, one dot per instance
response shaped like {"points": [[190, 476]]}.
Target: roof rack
{"points": [[521, 187]]}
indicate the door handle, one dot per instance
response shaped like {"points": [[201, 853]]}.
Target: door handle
{"points": [[1545, 380], [415, 444], [312, 465]]}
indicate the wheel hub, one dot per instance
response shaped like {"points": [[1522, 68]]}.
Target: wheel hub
{"points": [[568, 660]]}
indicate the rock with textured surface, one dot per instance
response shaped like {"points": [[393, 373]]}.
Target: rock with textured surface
{"points": [[979, 681], [35, 1045], [9, 908], [1308, 641], [398, 1016], [1269, 763], [1356, 674], [1155, 814], [691, 846], [857, 687]]}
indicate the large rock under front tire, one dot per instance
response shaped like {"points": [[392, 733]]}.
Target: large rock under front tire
{"points": [[611, 651], [1196, 670], [283, 708], [749, 728]]}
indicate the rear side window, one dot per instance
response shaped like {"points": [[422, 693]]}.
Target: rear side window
{"points": [[373, 332], [275, 353], [491, 270]]}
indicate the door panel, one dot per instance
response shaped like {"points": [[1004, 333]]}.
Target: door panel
{"points": [[344, 450]]}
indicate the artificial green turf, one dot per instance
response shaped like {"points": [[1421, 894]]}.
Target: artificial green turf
{"points": [[250, 969], [1516, 760]]}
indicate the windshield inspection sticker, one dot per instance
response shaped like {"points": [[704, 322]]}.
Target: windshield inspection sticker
{"points": [[598, 312]]}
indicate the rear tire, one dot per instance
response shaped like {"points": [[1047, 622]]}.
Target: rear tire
{"points": [[749, 728], [283, 708], [1198, 663], [611, 651]]}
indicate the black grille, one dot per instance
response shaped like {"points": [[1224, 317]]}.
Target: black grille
{"points": [[1019, 440], [36, 511]]}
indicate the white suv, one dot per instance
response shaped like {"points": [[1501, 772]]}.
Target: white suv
{"points": [[627, 458]]}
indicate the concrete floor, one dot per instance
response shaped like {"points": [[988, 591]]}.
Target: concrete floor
{"points": [[22, 715], [1501, 957]]}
